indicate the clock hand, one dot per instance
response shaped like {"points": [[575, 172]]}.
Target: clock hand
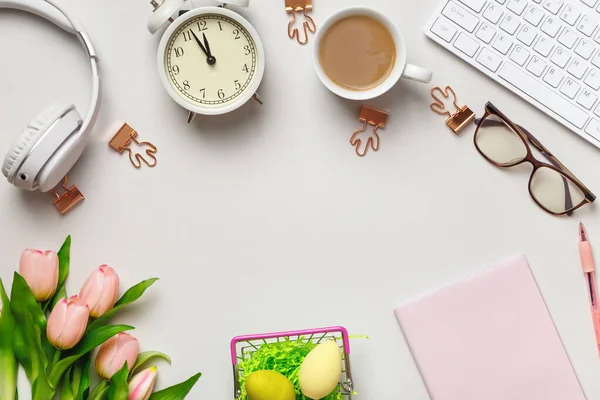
{"points": [[211, 60], [208, 56]]}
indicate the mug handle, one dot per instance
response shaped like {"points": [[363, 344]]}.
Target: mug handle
{"points": [[416, 73]]}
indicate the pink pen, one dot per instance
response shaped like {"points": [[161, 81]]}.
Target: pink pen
{"points": [[587, 262]]}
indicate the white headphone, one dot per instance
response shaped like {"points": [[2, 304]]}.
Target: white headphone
{"points": [[54, 141]]}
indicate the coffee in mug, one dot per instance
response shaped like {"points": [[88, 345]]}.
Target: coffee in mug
{"points": [[360, 54], [357, 52]]}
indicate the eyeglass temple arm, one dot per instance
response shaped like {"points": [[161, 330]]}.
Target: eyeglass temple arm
{"points": [[546, 153]]}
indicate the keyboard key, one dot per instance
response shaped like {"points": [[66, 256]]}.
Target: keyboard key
{"points": [[597, 37], [553, 77], [510, 24], [596, 60], [489, 59], [585, 49], [589, 3], [570, 15], [519, 54], [587, 99], [544, 46], [493, 13], [593, 79], [517, 6], [475, 5], [466, 45], [570, 88], [536, 66], [587, 25], [542, 94], [502, 43], [485, 33], [560, 57], [502, 1], [538, 1], [553, 5], [567, 38], [593, 129], [577, 68], [551, 26], [460, 16], [534, 16], [444, 29], [526, 35], [597, 110]]}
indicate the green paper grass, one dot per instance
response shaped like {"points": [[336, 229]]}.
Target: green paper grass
{"points": [[285, 357]]}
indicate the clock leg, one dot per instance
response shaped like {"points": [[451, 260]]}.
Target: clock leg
{"points": [[257, 98], [191, 117]]}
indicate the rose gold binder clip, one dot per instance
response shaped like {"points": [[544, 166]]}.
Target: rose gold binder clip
{"points": [[303, 6], [375, 118], [122, 140], [457, 121], [68, 199]]}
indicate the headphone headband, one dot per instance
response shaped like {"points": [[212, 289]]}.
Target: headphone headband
{"points": [[55, 14]]}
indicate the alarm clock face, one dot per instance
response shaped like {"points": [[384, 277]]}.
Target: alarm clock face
{"points": [[211, 60]]}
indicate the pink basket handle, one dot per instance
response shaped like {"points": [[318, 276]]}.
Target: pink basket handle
{"points": [[305, 332]]}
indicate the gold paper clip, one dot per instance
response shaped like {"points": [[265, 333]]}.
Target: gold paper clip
{"points": [[304, 6], [123, 138], [375, 118], [457, 121], [68, 199]]}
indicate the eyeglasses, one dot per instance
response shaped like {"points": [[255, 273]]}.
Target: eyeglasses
{"points": [[551, 185]]}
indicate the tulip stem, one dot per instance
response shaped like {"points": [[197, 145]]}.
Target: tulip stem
{"points": [[56, 358], [99, 391]]}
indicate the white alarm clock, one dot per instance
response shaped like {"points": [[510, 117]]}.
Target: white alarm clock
{"points": [[211, 61]]}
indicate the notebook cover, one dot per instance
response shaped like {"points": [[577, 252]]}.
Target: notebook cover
{"points": [[489, 337]]}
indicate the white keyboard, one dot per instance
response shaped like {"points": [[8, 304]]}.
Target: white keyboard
{"points": [[546, 51]]}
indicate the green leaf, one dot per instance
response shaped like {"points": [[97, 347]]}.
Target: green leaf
{"points": [[64, 262], [131, 295], [145, 357], [176, 392], [8, 362], [66, 391], [41, 390], [84, 382], [30, 329], [118, 389], [89, 342]]}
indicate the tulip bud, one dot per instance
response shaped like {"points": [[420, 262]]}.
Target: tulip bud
{"points": [[40, 271], [142, 384], [100, 290], [115, 352], [67, 323]]}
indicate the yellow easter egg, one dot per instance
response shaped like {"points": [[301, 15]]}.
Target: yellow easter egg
{"points": [[269, 385], [321, 370]]}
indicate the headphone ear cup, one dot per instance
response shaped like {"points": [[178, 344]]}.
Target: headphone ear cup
{"points": [[30, 136]]}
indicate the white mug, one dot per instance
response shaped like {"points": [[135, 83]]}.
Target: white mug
{"points": [[401, 68]]}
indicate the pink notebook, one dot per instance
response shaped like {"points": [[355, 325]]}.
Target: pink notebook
{"points": [[489, 337]]}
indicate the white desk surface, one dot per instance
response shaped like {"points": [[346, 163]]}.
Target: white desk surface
{"points": [[266, 220]]}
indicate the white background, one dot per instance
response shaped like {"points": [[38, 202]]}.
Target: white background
{"points": [[265, 219]]}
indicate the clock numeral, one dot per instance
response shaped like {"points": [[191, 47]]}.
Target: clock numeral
{"points": [[220, 27], [202, 26], [175, 69], [236, 33], [247, 49], [237, 85], [179, 52], [203, 93], [186, 85], [187, 35], [245, 68], [221, 94]]}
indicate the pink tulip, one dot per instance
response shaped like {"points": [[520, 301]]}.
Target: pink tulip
{"points": [[100, 290], [115, 352], [67, 323], [142, 384], [40, 270]]}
